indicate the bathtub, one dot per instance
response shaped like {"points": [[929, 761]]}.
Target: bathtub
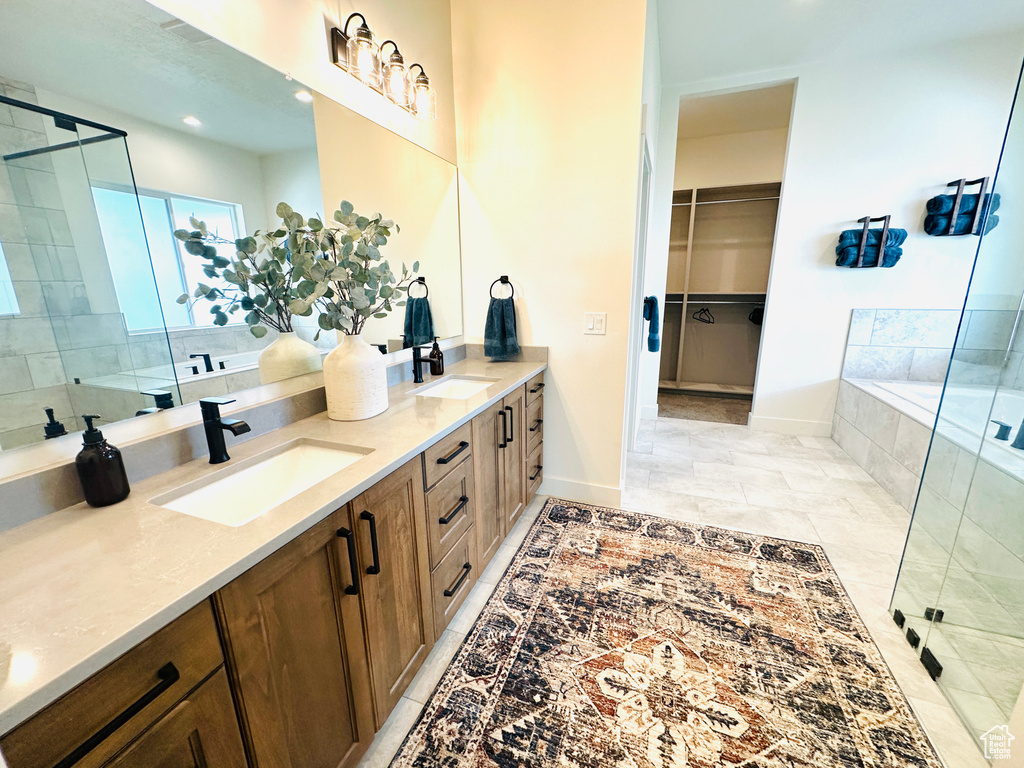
{"points": [[967, 414]]}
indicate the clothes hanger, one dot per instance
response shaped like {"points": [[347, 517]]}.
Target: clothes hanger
{"points": [[704, 315]]}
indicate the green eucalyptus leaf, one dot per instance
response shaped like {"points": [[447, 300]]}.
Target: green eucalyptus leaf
{"points": [[258, 331], [182, 234], [194, 247], [324, 322], [209, 271], [346, 208], [416, 266], [380, 315], [247, 303], [209, 252], [183, 299], [252, 319], [220, 262], [260, 300], [219, 318], [362, 222], [316, 225], [284, 210]]}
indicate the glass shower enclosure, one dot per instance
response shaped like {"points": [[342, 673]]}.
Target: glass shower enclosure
{"points": [[69, 214], [959, 597]]}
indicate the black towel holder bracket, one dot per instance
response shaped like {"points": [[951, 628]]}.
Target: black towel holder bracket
{"points": [[504, 281], [422, 281], [978, 221], [866, 221]]}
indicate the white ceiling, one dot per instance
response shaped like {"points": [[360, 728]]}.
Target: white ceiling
{"points": [[754, 110], [114, 53], [703, 39]]}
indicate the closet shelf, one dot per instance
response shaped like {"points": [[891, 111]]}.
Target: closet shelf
{"points": [[726, 298]]}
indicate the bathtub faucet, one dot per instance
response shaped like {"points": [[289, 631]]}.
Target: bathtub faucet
{"points": [[1018, 441]]}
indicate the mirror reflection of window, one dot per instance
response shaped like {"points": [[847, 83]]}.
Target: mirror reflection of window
{"points": [[176, 271], [8, 301]]}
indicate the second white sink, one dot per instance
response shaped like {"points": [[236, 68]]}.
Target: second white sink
{"points": [[255, 486], [455, 387]]}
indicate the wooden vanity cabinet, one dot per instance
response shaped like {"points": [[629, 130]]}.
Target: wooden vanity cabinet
{"points": [[390, 521], [293, 634], [499, 441]]}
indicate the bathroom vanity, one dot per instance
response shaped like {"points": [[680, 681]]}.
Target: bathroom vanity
{"points": [[139, 635]]}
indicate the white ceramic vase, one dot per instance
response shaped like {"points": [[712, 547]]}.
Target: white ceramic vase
{"points": [[356, 380], [286, 357]]}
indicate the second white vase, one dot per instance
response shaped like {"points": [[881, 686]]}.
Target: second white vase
{"points": [[356, 380], [286, 357]]}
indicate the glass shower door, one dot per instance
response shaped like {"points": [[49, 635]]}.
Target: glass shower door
{"points": [[960, 590]]}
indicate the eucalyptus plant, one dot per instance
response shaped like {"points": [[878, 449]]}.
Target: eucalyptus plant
{"points": [[335, 268]]}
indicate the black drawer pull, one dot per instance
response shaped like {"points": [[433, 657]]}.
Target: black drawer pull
{"points": [[504, 429], [466, 568], [374, 569], [511, 424], [446, 459], [463, 501], [168, 675], [536, 426], [537, 389], [536, 474], [350, 539]]}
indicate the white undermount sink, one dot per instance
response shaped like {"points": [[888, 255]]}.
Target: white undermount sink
{"points": [[455, 387], [253, 487]]}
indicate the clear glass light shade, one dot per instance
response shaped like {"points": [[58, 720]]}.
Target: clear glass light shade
{"points": [[424, 100], [397, 83], [364, 58]]}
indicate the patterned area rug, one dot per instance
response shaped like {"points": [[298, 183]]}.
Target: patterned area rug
{"points": [[620, 639]]}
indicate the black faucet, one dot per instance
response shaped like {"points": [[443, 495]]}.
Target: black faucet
{"points": [[208, 362], [1018, 441], [436, 369], [215, 427], [162, 399]]}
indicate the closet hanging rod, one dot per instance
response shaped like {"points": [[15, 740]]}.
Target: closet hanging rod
{"points": [[740, 200], [719, 301]]}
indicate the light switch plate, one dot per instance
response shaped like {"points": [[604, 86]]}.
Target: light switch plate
{"points": [[594, 323]]}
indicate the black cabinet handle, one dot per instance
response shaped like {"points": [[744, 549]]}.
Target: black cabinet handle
{"points": [[537, 389], [504, 429], [511, 424], [350, 539], [463, 501], [536, 426], [374, 569], [466, 568], [463, 445], [168, 675], [536, 474]]}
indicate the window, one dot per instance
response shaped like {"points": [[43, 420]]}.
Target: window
{"points": [[176, 271], [8, 301]]}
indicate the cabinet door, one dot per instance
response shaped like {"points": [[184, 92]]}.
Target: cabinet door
{"points": [[391, 531], [295, 646], [514, 479], [488, 467], [200, 732]]}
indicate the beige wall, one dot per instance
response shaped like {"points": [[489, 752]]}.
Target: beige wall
{"points": [[549, 138], [734, 158], [292, 36]]}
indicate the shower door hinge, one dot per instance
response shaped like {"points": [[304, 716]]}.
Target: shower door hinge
{"points": [[933, 614], [913, 638], [931, 663]]}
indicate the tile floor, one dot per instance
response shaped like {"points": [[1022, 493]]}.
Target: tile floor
{"points": [[803, 488]]}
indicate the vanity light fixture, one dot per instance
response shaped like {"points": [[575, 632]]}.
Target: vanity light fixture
{"points": [[397, 84], [360, 56], [304, 96], [194, 122]]}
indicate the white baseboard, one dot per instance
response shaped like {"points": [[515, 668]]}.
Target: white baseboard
{"points": [[585, 493], [790, 426], [649, 411]]}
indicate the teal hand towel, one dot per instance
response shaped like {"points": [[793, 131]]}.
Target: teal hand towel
{"points": [[847, 257], [419, 322], [939, 225], [654, 331], [500, 342], [943, 204], [894, 238]]}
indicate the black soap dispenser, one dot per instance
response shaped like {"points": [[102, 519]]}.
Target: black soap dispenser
{"points": [[100, 468], [436, 358], [52, 428]]}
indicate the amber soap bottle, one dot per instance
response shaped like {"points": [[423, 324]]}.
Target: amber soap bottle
{"points": [[100, 468]]}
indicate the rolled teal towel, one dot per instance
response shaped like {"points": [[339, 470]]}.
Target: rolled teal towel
{"points": [[939, 225], [419, 322], [500, 340], [847, 257], [654, 331], [941, 204], [893, 239]]}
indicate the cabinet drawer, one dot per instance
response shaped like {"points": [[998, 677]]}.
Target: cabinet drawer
{"points": [[534, 471], [534, 388], [451, 507], [143, 674], [444, 455], [534, 424], [453, 579]]}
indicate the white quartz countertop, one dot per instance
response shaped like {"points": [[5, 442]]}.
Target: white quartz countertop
{"points": [[82, 586]]}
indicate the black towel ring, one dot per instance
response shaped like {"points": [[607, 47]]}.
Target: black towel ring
{"points": [[504, 281], [422, 281]]}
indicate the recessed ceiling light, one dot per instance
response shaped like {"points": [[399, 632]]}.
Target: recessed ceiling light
{"points": [[304, 96], [195, 122]]}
